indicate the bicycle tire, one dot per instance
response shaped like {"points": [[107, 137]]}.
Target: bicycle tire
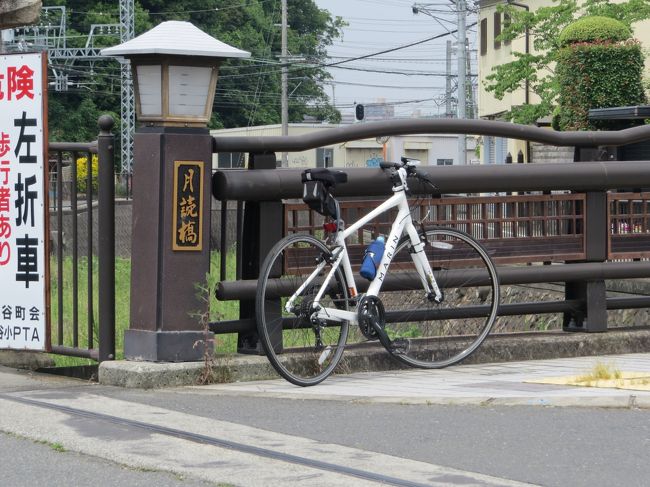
{"points": [[301, 352], [428, 335]]}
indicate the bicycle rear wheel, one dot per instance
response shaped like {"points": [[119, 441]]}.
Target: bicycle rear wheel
{"points": [[302, 352], [424, 333]]}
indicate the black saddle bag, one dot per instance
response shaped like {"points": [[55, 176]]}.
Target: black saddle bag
{"points": [[318, 198]]}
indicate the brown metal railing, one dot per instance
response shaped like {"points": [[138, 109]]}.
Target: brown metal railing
{"points": [[629, 226], [514, 229], [568, 228], [69, 336]]}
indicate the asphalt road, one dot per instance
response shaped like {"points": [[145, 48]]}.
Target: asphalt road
{"points": [[28, 463], [539, 445], [114, 436]]}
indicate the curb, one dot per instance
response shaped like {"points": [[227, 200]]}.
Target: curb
{"points": [[497, 348], [23, 359]]}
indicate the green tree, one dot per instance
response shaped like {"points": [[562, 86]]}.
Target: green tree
{"points": [[537, 68], [248, 91]]}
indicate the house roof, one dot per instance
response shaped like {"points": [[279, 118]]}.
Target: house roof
{"points": [[177, 38], [620, 113]]}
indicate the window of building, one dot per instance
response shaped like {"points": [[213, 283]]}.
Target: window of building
{"points": [[483, 37], [497, 29], [230, 160], [445, 162], [324, 157]]}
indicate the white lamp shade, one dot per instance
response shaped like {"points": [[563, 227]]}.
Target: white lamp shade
{"points": [[188, 90], [175, 67], [149, 78]]}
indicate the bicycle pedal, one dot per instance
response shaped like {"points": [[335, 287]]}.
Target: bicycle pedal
{"points": [[324, 355]]}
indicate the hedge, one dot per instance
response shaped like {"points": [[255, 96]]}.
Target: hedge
{"points": [[597, 75], [594, 29]]}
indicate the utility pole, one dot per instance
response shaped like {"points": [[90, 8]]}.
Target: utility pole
{"points": [[461, 19], [462, 84], [471, 101], [284, 82], [448, 113]]}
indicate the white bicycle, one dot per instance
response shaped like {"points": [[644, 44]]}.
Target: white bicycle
{"points": [[431, 304]]}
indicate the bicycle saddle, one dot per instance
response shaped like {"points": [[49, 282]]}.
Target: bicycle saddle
{"points": [[326, 176]]}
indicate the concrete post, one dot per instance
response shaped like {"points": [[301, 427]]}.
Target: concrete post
{"points": [[170, 244]]}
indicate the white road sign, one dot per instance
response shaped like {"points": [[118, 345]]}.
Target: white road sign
{"points": [[23, 183]]}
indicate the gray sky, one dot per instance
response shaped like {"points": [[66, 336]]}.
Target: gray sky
{"points": [[377, 25]]}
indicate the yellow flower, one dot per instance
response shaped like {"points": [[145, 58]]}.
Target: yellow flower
{"points": [[82, 173]]}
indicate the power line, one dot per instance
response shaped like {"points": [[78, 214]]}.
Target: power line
{"points": [[298, 66], [386, 51], [392, 87]]}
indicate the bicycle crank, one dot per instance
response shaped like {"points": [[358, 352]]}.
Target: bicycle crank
{"points": [[371, 316]]}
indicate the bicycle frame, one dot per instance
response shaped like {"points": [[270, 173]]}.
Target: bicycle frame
{"points": [[402, 222]]}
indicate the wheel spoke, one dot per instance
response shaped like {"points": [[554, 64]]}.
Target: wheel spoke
{"points": [[427, 334], [303, 351]]}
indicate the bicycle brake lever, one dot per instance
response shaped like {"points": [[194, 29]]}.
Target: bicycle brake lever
{"points": [[427, 179]]}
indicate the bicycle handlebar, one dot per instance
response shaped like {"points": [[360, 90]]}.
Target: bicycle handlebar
{"points": [[411, 170]]}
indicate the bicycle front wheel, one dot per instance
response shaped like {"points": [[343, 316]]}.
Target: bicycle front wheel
{"points": [[302, 351], [427, 334]]}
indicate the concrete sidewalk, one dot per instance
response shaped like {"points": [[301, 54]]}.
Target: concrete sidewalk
{"points": [[512, 383], [510, 349]]}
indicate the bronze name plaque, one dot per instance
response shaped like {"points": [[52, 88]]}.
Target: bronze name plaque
{"points": [[187, 222]]}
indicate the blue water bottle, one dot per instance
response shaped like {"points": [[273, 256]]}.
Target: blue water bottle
{"points": [[372, 258]]}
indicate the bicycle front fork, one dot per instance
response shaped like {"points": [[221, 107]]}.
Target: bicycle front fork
{"points": [[427, 278]]}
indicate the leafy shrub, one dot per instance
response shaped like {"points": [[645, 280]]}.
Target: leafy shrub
{"points": [[594, 29], [82, 173], [599, 67]]}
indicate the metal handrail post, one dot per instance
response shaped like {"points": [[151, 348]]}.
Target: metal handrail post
{"points": [[106, 240]]}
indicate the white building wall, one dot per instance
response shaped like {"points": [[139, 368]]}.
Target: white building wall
{"points": [[358, 153]]}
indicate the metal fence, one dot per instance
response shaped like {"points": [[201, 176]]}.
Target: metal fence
{"points": [[82, 280]]}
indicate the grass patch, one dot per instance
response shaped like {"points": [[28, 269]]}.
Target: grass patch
{"points": [[218, 310], [605, 376], [57, 447], [601, 371], [223, 310]]}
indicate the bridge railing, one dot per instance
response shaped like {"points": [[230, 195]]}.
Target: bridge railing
{"points": [[574, 217]]}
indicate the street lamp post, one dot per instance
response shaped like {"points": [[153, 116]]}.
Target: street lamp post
{"points": [[175, 67]]}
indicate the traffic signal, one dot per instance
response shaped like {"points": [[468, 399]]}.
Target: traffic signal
{"points": [[359, 112]]}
